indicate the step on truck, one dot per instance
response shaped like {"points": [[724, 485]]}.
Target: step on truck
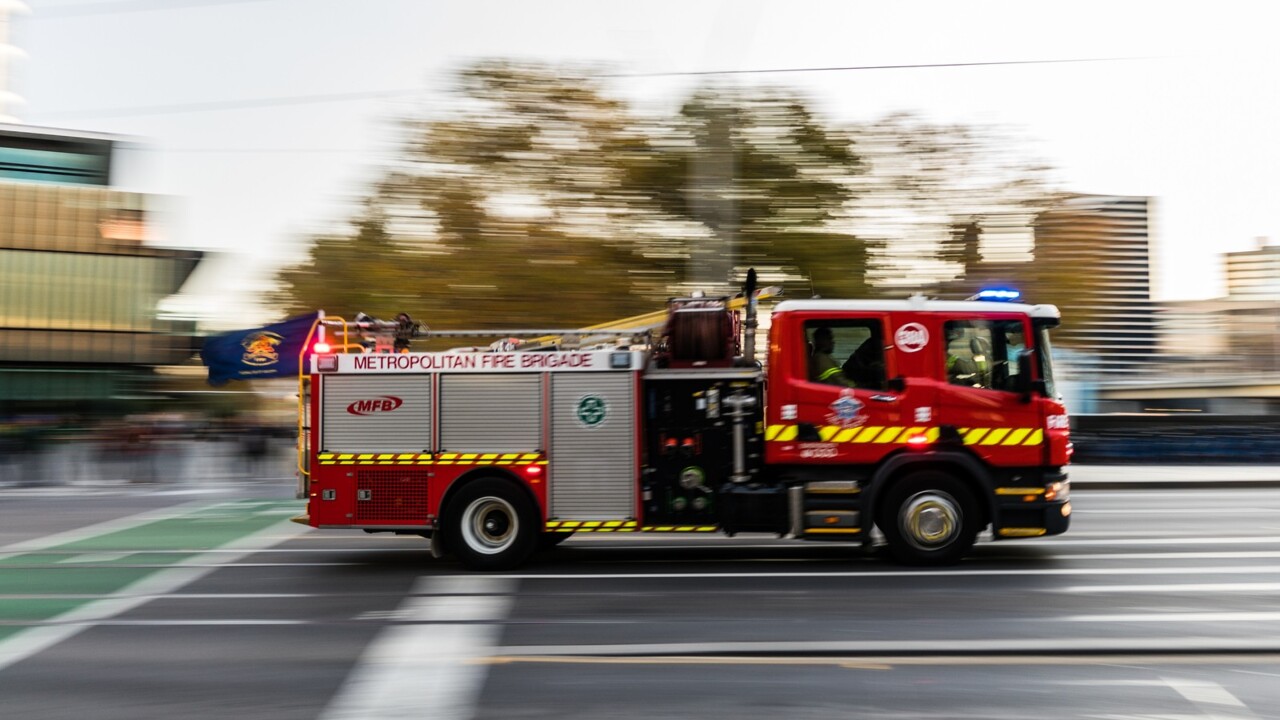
{"points": [[926, 420]]}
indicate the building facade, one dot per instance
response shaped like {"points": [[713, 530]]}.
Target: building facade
{"points": [[79, 285], [1254, 275]]}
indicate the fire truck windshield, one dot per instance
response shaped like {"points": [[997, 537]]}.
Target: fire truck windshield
{"points": [[1044, 350]]}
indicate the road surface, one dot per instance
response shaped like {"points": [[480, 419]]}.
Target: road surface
{"points": [[200, 603]]}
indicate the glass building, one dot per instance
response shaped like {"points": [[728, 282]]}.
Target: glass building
{"points": [[79, 288]]}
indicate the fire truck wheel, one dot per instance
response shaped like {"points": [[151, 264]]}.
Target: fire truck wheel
{"points": [[929, 518], [492, 525]]}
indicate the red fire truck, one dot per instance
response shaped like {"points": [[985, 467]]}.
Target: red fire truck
{"points": [[927, 420]]}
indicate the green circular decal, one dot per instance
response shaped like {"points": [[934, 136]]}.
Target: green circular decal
{"points": [[591, 410]]}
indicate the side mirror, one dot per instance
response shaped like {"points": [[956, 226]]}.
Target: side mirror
{"points": [[1022, 382], [897, 384]]}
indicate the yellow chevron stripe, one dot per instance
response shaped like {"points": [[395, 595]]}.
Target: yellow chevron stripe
{"points": [[932, 434], [1017, 436], [910, 433], [1036, 438], [995, 436], [788, 433], [973, 436], [826, 432], [868, 433], [772, 431], [888, 435], [847, 435]]}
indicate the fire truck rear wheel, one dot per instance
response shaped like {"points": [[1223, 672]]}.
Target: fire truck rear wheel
{"points": [[492, 525], [929, 518]]}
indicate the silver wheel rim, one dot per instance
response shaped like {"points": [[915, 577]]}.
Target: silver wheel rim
{"points": [[930, 520], [489, 525]]}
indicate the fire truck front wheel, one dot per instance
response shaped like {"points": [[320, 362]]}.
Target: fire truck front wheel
{"points": [[929, 518], [492, 525]]}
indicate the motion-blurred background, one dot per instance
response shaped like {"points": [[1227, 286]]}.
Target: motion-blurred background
{"points": [[172, 169]]}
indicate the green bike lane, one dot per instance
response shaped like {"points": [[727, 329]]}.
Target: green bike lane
{"points": [[52, 588]]}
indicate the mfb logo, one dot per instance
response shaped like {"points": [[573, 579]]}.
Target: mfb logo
{"points": [[384, 403]]}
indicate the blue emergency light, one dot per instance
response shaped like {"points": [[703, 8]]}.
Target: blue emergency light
{"points": [[998, 294]]}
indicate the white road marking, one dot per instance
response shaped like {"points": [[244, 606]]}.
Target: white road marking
{"points": [[96, 557], [975, 572], [1203, 693], [430, 666], [36, 639], [1225, 555], [1109, 538], [103, 528], [1172, 588], [929, 648], [1178, 617]]}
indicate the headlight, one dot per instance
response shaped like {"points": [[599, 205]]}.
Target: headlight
{"points": [[1058, 490]]}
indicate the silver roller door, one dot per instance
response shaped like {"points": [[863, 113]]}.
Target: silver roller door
{"points": [[361, 413], [593, 439], [491, 413]]}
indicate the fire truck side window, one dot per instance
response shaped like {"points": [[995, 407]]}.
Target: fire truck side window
{"points": [[847, 353], [984, 353]]}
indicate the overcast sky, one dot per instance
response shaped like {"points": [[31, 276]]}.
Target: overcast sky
{"points": [[1193, 120]]}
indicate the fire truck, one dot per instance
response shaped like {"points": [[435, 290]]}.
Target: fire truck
{"points": [[919, 423]]}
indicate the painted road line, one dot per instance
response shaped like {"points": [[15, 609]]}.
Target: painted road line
{"points": [[431, 665], [975, 572], [1171, 588], [120, 588], [1269, 644], [1172, 555], [103, 528], [886, 662], [1176, 617], [30, 641], [1140, 539], [1211, 698]]}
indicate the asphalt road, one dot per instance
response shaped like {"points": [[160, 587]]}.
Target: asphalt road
{"points": [[1159, 603]]}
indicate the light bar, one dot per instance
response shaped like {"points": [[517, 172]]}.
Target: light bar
{"points": [[998, 294]]}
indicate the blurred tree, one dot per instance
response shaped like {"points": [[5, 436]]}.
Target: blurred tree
{"points": [[961, 247], [505, 213], [925, 183], [540, 201], [761, 183]]}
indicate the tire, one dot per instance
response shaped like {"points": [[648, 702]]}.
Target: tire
{"points": [[550, 540], [492, 525], [929, 518]]}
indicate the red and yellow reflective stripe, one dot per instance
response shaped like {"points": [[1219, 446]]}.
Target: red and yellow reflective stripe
{"points": [[900, 434], [431, 459]]}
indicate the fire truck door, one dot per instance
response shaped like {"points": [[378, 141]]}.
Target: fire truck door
{"points": [[842, 409], [977, 394]]}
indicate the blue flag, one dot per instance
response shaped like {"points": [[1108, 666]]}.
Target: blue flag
{"points": [[264, 352]]}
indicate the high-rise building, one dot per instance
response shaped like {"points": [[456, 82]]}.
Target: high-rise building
{"points": [[1093, 260], [79, 284], [1254, 275]]}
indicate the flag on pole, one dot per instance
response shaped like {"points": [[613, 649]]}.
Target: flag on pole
{"points": [[265, 352]]}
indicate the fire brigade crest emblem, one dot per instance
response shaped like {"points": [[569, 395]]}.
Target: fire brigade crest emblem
{"points": [[260, 349], [592, 410], [846, 411]]}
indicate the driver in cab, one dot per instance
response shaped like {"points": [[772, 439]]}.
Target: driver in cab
{"points": [[823, 366]]}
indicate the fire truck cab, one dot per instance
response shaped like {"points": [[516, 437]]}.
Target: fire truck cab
{"points": [[926, 420]]}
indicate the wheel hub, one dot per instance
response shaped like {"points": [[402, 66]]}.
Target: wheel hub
{"points": [[930, 520], [489, 525]]}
